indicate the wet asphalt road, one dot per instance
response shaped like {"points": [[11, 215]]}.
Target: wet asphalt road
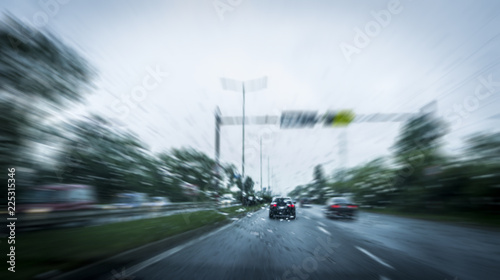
{"points": [[313, 247]]}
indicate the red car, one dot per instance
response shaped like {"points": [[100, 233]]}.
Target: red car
{"points": [[340, 207]]}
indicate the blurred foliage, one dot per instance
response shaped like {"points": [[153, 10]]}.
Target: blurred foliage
{"points": [[248, 185], [484, 147], [113, 161], [187, 166], [319, 182], [39, 75], [419, 178], [38, 65], [231, 173], [267, 198], [116, 161]]}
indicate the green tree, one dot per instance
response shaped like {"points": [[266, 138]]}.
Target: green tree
{"points": [[371, 183], [231, 173], [319, 182], [484, 147], [248, 185], [417, 148], [112, 160], [188, 166], [39, 75]]}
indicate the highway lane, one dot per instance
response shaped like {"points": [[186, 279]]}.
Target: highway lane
{"points": [[311, 247], [464, 251]]}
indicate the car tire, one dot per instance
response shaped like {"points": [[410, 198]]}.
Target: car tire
{"points": [[271, 216]]}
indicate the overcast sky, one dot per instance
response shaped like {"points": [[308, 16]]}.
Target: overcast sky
{"points": [[368, 56]]}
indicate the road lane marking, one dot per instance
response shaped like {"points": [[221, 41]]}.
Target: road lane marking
{"points": [[374, 257], [324, 230], [321, 224], [140, 266], [307, 217]]}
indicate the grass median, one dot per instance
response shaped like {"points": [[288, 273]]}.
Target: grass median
{"points": [[235, 210], [67, 249]]}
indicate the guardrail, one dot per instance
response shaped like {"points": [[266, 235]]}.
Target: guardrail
{"points": [[101, 215]]}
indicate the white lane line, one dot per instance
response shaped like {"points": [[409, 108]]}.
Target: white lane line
{"points": [[140, 266], [324, 230], [307, 217], [374, 257], [321, 224]]}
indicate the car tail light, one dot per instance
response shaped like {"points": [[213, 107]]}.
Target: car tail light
{"points": [[291, 205], [335, 206], [273, 205], [353, 206]]}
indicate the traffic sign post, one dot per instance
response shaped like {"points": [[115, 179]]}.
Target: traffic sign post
{"points": [[298, 119], [339, 118], [308, 119]]}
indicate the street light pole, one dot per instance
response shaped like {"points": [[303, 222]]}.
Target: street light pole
{"points": [[217, 145], [268, 174], [252, 85], [261, 165], [243, 137]]}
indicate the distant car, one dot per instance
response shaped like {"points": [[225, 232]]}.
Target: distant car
{"points": [[251, 200], [305, 202], [340, 207], [130, 200], [227, 199], [282, 207], [159, 201]]}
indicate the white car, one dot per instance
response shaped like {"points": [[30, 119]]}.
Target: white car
{"points": [[227, 199], [159, 201]]}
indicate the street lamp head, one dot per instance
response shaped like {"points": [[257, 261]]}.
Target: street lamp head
{"points": [[251, 85], [231, 84], [256, 84]]}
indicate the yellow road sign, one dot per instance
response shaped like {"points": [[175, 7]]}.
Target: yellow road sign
{"points": [[343, 118]]}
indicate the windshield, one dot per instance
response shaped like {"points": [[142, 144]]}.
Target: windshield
{"points": [[282, 201], [250, 139]]}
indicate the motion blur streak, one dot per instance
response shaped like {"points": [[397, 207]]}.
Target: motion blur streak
{"points": [[231, 139]]}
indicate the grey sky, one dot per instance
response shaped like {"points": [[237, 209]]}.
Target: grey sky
{"points": [[426, 50]]}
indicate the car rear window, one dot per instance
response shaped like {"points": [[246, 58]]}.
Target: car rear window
{"points": [[282, 201], [340, 201]]}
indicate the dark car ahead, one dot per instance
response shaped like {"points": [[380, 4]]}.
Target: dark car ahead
{"points": [[340, 207], [282, 207]]}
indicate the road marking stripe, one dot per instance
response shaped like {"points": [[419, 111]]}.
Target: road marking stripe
{"points": [[324, 230], [140, 266], [374, 257], [307, 217], [321, 224]]}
